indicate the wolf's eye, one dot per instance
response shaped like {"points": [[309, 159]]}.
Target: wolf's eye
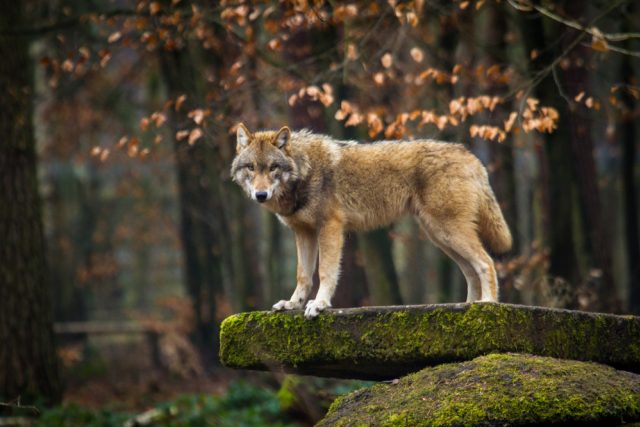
{"points": [[273, 167], [250, 167]]}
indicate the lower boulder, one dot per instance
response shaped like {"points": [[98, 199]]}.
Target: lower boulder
{"points": [[496, 390]]}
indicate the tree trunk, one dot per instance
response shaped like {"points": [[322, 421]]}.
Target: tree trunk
{"points": [[199, 214], [576, 80], [629, 190], [558, 214], [452, 283], [69, 247], [503, 177], [28, 363], [380, 270]]}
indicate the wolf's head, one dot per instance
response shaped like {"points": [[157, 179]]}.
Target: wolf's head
{"points": [[263, 165]]}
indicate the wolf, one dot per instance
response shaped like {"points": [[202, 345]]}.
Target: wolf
{"points": [[322, 188]]}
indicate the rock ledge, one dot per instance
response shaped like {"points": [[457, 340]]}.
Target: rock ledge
{"points": [[496, 390], [387, 342]]}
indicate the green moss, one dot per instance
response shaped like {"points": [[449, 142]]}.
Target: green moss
{"points": [[388, 342], [259, 338], [497, 389], [287, 393]]}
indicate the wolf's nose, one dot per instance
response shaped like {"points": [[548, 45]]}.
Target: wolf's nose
{"points": [[261, 196]]}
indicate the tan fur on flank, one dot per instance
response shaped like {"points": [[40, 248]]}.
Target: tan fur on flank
{"points": [[322, 188]]}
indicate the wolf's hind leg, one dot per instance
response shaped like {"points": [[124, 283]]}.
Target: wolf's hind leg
{"points": [[330, 239], [473, 281], [307, 249], [465, 242]]}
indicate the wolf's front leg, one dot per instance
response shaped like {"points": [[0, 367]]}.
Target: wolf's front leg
{"points": [[330, 239], [307, 248]]}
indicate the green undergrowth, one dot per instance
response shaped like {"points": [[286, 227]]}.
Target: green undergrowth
{"points": [[242, 405], [497, 390], [295, 390]]}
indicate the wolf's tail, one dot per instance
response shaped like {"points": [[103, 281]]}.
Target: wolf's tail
{"points": [[493, 229]]}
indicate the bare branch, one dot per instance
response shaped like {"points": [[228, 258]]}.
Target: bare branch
{"points": [[18, 405], [543, 73], [527, 6], [67, 23]]}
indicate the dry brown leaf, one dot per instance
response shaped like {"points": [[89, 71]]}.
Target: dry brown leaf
{"points": [[197, 115], [159, 118], [354, 120], [144, 124], [274, 44], [84, 52], [532, 103], [599, 45], [412, 19], [456, 105], [508, 124], [417, 54], [391, 131], [144, 153], [386, 60], [154, 8], [340, 115], [550, 112], [105, 154], [352, 52], [326, 98], [180, 101], [67, 65], [598, 41], [194, 135], [114, 37]]}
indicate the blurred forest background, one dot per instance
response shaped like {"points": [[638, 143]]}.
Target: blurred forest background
{"points": [[123, 236]]}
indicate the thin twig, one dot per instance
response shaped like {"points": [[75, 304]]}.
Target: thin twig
{"points": [[18, 405], [621, 50], [556, 79], [67, 23], [540, 75], [525, 6]]}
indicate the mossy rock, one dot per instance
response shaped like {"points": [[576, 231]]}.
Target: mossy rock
{"points": [[496, 390], [387, 342]]}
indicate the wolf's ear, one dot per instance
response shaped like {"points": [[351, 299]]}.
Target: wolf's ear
{"points": [[282, 137], [243, 135]]}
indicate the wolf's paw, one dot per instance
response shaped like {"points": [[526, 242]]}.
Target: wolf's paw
{"points": [[314, 307], [286, 305]]}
